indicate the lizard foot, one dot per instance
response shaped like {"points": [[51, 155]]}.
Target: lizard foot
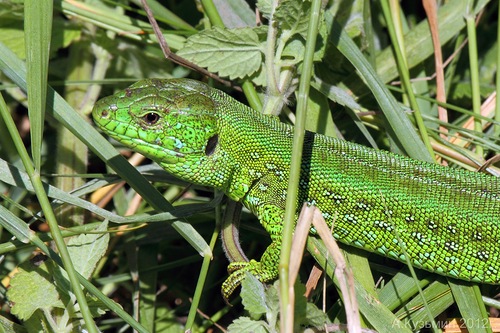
{"points": [[237, 275]]}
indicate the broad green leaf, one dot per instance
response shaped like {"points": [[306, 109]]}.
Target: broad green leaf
{"points": [[87, 249], [33, 288], [253, 296], [306, 313], [259, 78], [8, 326], [13, 35], [265, 7], [235, 13], [314, 316], [245, 324], [350, 17], [229, 52], [294, 51], [293, 17]]}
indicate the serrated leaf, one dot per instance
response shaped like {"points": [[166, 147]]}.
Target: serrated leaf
{"points": [[342, 97], [253, 296], [166, 320], [265, 7], [245, 324], [37, 323], [300, 303], [293, 15], [259, 78], [87, 249], [349, 17], [235, 13], [8, 326], [229, 52], [314, 316], [272, 297], [261, 32], [32, 288], [294, 51], [96, 307]]}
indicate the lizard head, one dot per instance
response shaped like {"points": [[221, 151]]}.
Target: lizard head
{"points": [[173, 122]]}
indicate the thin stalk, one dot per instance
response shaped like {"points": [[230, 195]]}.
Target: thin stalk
{"points": [[287, 300], [474, 76], [207, 259], [271, 72], [403, 69], [497, 111]]}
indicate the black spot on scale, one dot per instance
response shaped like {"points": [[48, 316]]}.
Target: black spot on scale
{"points": [[432, 225], [410, 218], [452, 229], [452, 246], [483, 255], [363, 205], [477, 236]]}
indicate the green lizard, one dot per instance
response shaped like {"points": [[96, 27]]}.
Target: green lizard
{"points": [[447, 219]]}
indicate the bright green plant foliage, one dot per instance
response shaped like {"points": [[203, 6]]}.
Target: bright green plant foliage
{"points": [[100, 47]]}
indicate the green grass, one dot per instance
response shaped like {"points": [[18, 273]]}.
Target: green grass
{"points": [[53, 161]]}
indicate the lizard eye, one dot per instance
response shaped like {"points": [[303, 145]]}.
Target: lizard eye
{"points": [[211, 145], [151, 118]]}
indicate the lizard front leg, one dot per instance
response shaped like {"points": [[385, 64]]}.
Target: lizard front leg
{"points": [[266, 269]]}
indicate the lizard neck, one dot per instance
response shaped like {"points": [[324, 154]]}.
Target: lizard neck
{"points": [[254, 146]]}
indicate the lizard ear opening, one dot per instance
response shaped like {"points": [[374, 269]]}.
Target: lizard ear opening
{"points": [[211, 145]]}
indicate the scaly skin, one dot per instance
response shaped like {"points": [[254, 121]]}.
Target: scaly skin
{"points": [[447, 219]]}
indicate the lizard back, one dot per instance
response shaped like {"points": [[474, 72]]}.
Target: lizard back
{"points": [[445, 219]]}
